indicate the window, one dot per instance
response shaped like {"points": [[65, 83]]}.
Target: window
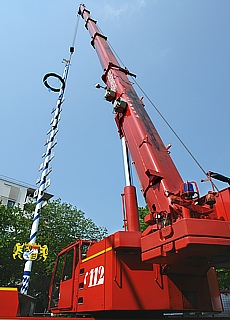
{"points": [[56, 282], [10, 203], [84, 249], [64, 271], [68, 268]]}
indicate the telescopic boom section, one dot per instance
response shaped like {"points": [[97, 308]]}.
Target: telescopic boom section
{"points": [[156, 171]]}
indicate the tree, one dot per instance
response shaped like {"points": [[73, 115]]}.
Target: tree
{"points": [[143, 211], [13, 228], [223, 278], [60, 224]]}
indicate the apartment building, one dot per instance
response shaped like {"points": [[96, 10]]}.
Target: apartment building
{"points": [[13, 192]]}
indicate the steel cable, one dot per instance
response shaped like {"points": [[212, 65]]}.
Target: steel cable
{"points": [[161, 115]]}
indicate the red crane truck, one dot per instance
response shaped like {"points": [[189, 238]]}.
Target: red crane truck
{"points": [[169, 269]]}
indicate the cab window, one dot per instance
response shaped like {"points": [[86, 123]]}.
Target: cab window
{"points": [[68, 266]]}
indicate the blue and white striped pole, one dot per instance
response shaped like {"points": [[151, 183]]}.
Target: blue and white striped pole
{"points": [[44, 182]]}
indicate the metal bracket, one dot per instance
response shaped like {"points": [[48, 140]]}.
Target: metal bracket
{"points": [[112, 65], [95, 35]]}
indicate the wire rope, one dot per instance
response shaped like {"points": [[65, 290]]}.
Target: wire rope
{"points": [[75, 31], [170, 127], [74, 37], [162, 117]]}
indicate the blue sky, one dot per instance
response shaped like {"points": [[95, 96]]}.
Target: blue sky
{"points": [[179, 50]]}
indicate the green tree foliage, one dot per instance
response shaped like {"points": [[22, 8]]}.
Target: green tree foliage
{"points": [[60, 224], [143, 211], [224, 278]]}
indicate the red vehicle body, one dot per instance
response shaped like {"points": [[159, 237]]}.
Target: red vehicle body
{"points": [[170, 267]]}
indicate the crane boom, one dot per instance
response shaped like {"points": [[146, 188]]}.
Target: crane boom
{"points": [[155, 169]]}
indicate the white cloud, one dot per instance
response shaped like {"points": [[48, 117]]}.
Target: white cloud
{"points": [[142, 3], [115, 12], [126, 8]]}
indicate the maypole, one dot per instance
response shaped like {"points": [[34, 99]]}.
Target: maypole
{"points": [[43, 182]]}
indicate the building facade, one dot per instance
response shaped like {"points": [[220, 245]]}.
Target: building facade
{"points": [[13, 192]]}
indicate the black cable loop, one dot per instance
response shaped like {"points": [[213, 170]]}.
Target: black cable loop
{"points": [[54, 75], [67, 64]]}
